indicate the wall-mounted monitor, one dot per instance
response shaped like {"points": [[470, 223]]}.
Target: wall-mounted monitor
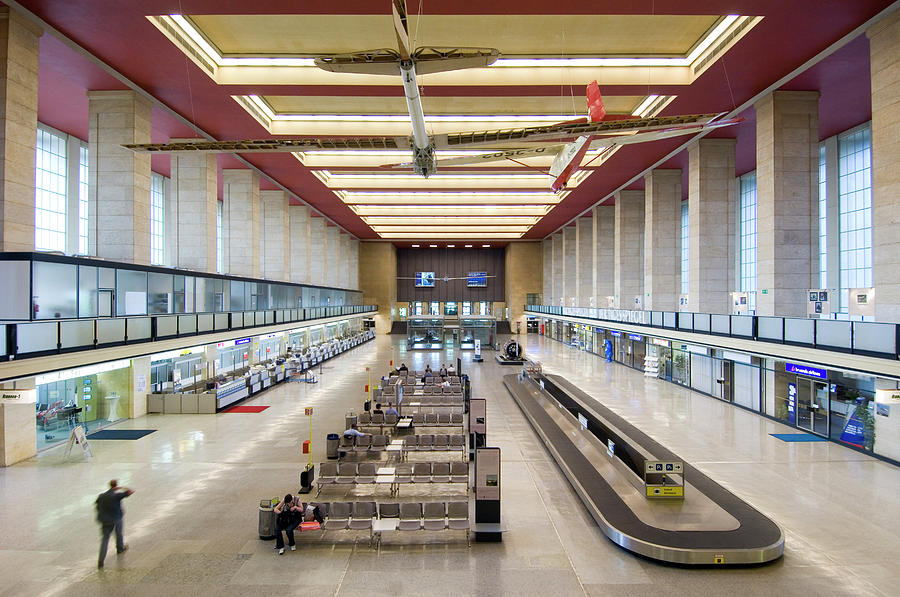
{"points": [[477, 280], [424, 279]]}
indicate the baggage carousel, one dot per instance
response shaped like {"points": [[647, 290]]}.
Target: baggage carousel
{"points": [[605, 457]]}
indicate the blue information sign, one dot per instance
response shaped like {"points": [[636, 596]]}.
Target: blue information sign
{"points": [[805, 370], [792, 403], [635, 337]]}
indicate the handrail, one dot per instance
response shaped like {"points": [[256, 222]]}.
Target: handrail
{"points": [[867, 338], [41, 338]]}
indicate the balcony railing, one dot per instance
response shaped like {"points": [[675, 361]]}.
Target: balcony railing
{"points": [[856, 337]]}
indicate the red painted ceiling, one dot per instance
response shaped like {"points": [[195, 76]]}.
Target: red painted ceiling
{"points": [[119, 34]]}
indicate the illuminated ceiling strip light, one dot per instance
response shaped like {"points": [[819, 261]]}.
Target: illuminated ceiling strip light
{"points": [[474, 200], [214, 56], [644, 105], [450, 235], [545, 197], [451, 210], [457, 220], [459, 229], [339, 176]]}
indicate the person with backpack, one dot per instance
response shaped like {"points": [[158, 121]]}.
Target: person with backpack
{"points": [[288, 516]]}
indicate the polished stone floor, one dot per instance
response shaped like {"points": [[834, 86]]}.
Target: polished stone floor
{"points": [[191, 525]]}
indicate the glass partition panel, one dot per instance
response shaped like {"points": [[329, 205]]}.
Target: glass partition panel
{"points": [[54, 290], [875, 337], [237, 296], [161, 295], [131, 292], [15, 305], [106, 277], [87, 291], [203, 298]]}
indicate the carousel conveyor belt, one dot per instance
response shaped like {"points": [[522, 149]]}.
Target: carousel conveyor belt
{"points": [[710, 525]]}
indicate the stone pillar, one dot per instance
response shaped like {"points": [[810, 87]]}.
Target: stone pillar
{"points": [[547, 267], [604, 279], [584, 262], [354, 264], [628, 247], [275, 220], [570, 286], [240, 222], [119, 188], [299, 216], [884, 49], [317, 250], [332, 255], [522, 278], [711, 197], [787, 171], [194, 186], [345, 260], [18, 119], [662, 239], [378, 263], [558, 295]]}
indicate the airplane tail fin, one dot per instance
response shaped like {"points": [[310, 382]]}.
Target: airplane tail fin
{"points": [[596, 109]]}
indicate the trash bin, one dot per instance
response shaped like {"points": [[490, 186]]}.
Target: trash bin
{"points": [[267, 519], [332, 440], [350, 420]]}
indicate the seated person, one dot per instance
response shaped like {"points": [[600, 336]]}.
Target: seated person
{"points": [[445, 383], [451, 370], [288, 515], [391, 410], [443, 372], [427, 373], [353, 431], [403, 367], [377, 410]]}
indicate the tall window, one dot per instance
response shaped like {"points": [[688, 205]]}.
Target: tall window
{"points": [[83, 200], [748, 235], [220, 255], [50, 192], [157, 219], [685, 248], [823, 219], [855, 208]]}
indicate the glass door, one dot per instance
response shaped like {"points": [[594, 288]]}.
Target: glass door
{"points": [[812, 406]]}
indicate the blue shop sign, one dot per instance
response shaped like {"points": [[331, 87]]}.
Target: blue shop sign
{"points": [[616, 334], [804, 370], [635, 337], [792, 404], [243, 341]]}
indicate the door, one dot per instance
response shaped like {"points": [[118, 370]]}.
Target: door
{"points": [[105, 306], [812, 406]]}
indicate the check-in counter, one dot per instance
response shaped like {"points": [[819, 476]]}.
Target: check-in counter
{"points": [[231, 392]]}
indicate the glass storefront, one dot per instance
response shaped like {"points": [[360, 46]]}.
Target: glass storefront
{"points": [[93, 397]]}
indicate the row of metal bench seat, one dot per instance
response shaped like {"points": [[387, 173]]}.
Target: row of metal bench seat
{"points": [[349, 473], [390, 391], [364, 443], [410, 516]]}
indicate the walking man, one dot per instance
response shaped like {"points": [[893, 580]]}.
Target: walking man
{"points": [[109, 515]]}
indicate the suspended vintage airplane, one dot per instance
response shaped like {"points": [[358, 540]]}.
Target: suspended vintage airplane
{"points": [[591, 132]]}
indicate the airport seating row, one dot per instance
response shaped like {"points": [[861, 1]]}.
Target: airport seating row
{"points": [[404, 516]]}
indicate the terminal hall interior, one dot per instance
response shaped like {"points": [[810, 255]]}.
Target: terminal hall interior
{"points": [[579, 298]]}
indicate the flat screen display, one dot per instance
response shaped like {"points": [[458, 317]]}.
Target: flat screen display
{"points": [[477, 280], [424, 279]]}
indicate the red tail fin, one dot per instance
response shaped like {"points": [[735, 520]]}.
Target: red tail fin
{"points": [[596, 109]]}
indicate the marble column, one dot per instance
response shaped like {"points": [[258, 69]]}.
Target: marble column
{"points": [[332, 255], [547, 268], [240, 215], [18, 119], [345, 260], [604, 278], [662, 239], [558, 295], [570, 287], [884, 51], [276, 226], [317, 250], [119, 187], [711, 199], [629, 248], [194, 201], [354, 264], [584, 262], [299, 221], [787, 170]]}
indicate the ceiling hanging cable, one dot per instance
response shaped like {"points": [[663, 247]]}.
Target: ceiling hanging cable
{"points": [[187, 70], [728, 82]]}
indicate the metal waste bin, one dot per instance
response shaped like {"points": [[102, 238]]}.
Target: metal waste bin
{"points": [[332, 441], [267, 519], [350, 420]]}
